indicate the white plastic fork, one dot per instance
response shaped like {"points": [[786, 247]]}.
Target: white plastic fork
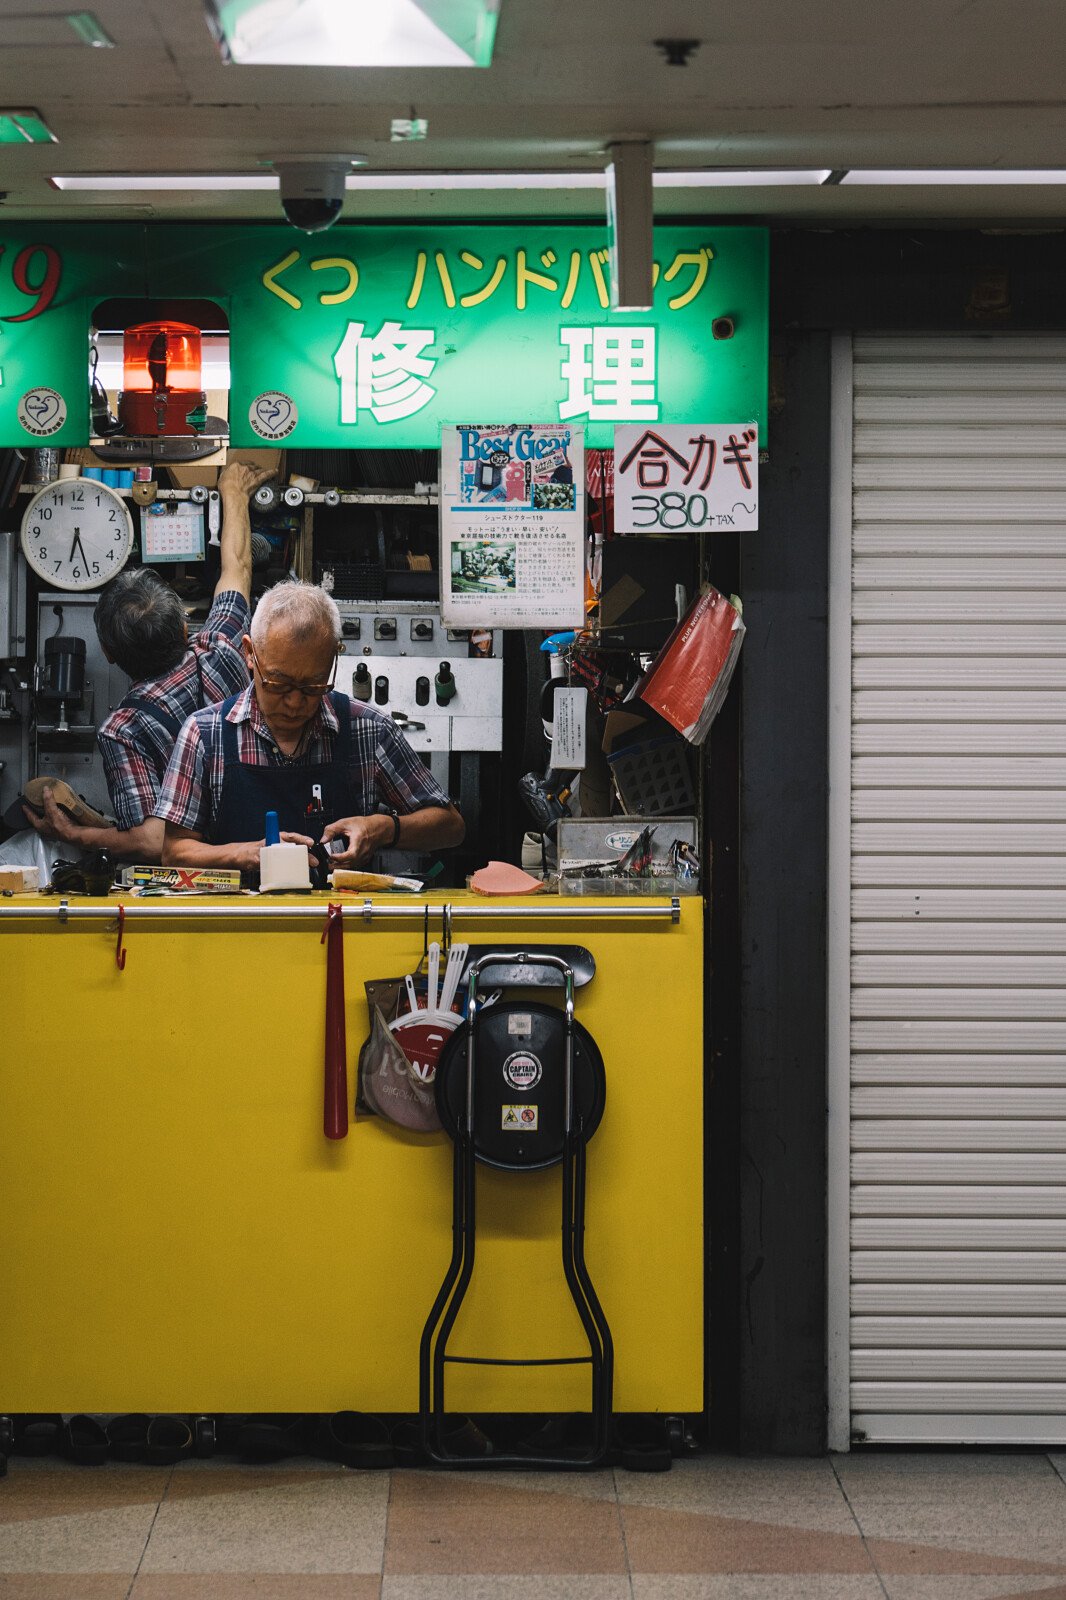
{"points": [[452, 973], [434, 976]]}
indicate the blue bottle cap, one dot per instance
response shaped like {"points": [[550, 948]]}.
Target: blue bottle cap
{"points": [[95, 473], [271, 830]]}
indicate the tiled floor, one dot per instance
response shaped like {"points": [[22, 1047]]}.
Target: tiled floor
{"points": [[900, 1526]]}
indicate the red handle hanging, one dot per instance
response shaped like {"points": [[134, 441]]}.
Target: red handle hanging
{"points": [[120, 953], [335, 1111]]}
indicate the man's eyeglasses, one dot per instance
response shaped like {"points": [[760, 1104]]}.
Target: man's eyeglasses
{"points": [[281, 686]]}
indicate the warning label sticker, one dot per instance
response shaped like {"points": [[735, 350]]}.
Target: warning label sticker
{"points": [[519, 1119]]}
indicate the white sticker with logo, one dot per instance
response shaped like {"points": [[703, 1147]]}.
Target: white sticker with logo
{"points": [[520, 1023], [522, 1070], [42, 412], [273, 415], [519, 1119]]}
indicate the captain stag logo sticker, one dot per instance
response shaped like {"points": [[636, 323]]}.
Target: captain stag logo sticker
{"points": [[273, 415], [42, 412], [522, 1070]]}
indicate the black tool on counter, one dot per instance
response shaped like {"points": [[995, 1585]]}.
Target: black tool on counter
{"points": [[519, 1086], [320, 857], [91, 875]]}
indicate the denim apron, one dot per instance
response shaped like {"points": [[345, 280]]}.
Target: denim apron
{"points": [[305, 795]]}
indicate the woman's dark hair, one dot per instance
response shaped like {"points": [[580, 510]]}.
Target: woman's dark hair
{"points": [[141, 624]]}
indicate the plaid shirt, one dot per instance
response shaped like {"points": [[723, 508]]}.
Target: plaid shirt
{"points": [[383, 766], [135, 748]]}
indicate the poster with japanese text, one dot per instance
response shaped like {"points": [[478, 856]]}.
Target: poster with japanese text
{"points": [[686, 478], [512, 526]]}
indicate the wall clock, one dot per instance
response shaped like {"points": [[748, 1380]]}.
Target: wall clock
{"points": [[77, 533]]}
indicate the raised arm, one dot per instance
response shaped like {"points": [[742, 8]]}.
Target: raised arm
{"points": [[236, 484]]}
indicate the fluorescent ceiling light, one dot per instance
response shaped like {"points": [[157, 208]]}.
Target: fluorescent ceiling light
{"points": [[89, 30], [25, 127], [962, 175], [154, 183], [729, 178], [477, 180], [400, 181], [355, 33]]}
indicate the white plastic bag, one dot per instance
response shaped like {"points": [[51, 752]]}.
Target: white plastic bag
{"points": [[28, 849]]}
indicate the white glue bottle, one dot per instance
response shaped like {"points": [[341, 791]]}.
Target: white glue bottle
{"points": [[281, 866]]}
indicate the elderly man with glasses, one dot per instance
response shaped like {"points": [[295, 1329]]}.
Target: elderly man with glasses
{"points": [[289, 743]]}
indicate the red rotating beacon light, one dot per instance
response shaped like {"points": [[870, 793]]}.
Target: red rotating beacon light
{"points": [[162, 392]]}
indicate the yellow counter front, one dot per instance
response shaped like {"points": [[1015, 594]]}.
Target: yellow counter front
{"points": [[176, 1233]]}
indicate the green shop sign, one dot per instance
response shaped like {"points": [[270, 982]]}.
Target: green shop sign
{"points": [[372, 336]]}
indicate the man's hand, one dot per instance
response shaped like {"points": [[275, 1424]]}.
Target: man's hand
{"points": [[184, 847], [240, 478], [366, 835], [40, 825], [55, 824], [246, 856]]}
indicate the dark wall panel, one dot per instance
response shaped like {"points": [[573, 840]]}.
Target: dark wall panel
{"points": [[782, 887]]}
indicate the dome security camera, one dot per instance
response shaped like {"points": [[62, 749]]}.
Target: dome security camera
{"points": [[312, 191]]}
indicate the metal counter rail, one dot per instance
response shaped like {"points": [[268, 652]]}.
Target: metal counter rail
{"points": [[364, 910]]}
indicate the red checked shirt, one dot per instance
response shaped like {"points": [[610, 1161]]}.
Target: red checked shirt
{"points": [[135, 748], [383, 769]]}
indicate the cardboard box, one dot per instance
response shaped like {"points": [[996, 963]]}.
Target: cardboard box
{"points": [[186, 475], [20, 880], [640, 577], [187, 880]]}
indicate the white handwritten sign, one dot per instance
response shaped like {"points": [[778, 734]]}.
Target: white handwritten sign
{"points": [[686, 478]]}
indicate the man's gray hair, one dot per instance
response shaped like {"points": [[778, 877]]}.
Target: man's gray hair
{"points": [[141, 624], [303, 609]]}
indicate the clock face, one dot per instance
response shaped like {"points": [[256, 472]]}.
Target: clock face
{"points": [[77, 533]]}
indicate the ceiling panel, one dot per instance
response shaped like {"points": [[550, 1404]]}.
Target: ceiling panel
{"points": [[829, 84]]}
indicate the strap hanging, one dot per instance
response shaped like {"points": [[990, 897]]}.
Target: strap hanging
{"points": [[335, 1105]]}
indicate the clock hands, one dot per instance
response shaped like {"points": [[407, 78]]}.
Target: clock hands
{"points": [[75, 545]]}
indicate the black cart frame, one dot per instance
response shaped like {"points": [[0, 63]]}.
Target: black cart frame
{"points": [[433, 1350]]}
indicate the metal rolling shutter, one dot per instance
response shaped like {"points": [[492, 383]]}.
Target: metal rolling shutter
{"points": [[958, 890]]}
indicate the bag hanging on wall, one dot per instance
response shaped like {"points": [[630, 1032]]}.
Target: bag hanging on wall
{"points": [[389, 1084]]}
